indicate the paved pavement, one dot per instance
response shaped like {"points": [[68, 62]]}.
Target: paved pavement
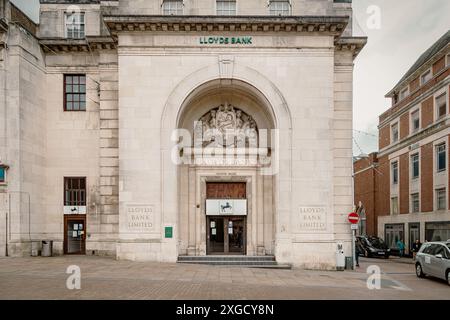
{"points": [[106, 278]]}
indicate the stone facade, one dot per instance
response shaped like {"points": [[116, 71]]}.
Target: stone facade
{"points": [[149, 77]]}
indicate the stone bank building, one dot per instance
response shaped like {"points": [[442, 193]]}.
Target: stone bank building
{"points": [[150, 130]]}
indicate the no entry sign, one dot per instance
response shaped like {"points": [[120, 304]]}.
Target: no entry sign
{"points": [[353, 218]]}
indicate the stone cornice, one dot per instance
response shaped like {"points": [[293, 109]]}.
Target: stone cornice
{"points": [[77, 45], [324, 24], [353, 44]]}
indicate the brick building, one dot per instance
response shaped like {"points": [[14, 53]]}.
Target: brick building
{"points": [[403, 190]]}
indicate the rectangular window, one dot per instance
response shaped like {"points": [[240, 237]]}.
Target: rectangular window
{"points": [[441, 199], [394, 131], [394, 206], [415, 202], [394, 172], [75, 191], [226, 7], [441, 105], [403, 94], [415, 166], [441, 159], [74, 92], [415, 121], [172, 7], [279, 8], [75, 27], [424, 78], [2, 174]]}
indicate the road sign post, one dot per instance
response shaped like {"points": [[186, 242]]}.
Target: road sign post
{"points": [[353, 218]]}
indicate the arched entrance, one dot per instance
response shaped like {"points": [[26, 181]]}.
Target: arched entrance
{"points": [[226, 202]]}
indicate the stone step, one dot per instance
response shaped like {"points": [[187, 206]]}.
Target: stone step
{"points": [[226, 258], [252, 264]]}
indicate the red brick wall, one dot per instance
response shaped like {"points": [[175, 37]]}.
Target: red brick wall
{"points": [[427, 112], [404, 183], [426, 178], [384, 138], [439, 65], [364, 184], [404, 125], [414, 85], [382, 187]]}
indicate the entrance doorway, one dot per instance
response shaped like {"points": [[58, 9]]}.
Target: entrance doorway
{"points": [[414, 234], [75, 234], [226, 235]]}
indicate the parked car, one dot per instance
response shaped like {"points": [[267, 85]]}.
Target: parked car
{"points": [[433, 259], [374, 247]]}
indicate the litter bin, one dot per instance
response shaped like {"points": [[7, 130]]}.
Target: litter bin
{"points": [[47, 248], [34, 248], [348, 263], [340, 258]]}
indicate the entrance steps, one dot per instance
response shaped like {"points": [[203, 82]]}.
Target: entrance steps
{"points": [[235, 260]]}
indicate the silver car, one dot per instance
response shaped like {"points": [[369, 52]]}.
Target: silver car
{"points": [[433, 259]]}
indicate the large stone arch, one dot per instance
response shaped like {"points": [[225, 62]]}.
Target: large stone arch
{"points": [[260, 87]]}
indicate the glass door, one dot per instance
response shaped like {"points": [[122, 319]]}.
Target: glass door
{"points": [[216, 238], [414, 234], [75, 234]]}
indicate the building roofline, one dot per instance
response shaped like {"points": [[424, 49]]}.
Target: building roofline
{"points": [[331, 24], [436, 49]]}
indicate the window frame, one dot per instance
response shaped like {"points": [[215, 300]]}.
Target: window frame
{"points": [[437, 107], [415, 158], [428, 71], [65, 93], [4, 169], [444, 152], [280, 12], [394, 212], [413, 119], [437, 198], [226, 15], [413, 200], [177, 13], [80, 202], [395, 138], [66, 30], [402, 96], [395, 176]]}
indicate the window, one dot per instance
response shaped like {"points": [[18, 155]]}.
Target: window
{"points": [[441, 105], [394, 172], [393, 233], [440, 199], [172, 7], [441, 157], [415, 121], [394, 131], [2, 174], [437, 231], [74, 92], [394, 206], [415, 166], [403, 94], [424, 78], [415, 203], [75, 191], [75, 25], [279, 8], [226, 7]]}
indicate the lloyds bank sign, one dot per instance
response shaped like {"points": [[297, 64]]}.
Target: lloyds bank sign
{"points": [[225, 40]]}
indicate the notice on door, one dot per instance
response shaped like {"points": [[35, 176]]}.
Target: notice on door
{"points": [[140, 218]]}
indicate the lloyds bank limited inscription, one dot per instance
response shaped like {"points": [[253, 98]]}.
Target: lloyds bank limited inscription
{"points": [[140, 217], [312, 219]]}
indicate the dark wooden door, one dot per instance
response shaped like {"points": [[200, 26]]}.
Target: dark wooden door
{"points": [[75, 234], [226, 190]]}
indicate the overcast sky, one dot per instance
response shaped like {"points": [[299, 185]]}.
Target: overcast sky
{"points": [[407, 28]]}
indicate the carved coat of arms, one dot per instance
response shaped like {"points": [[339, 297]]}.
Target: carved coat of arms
{"points": [[227, 125]]}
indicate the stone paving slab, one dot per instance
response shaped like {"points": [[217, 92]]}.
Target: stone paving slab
{"points": [[106, 278]]}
